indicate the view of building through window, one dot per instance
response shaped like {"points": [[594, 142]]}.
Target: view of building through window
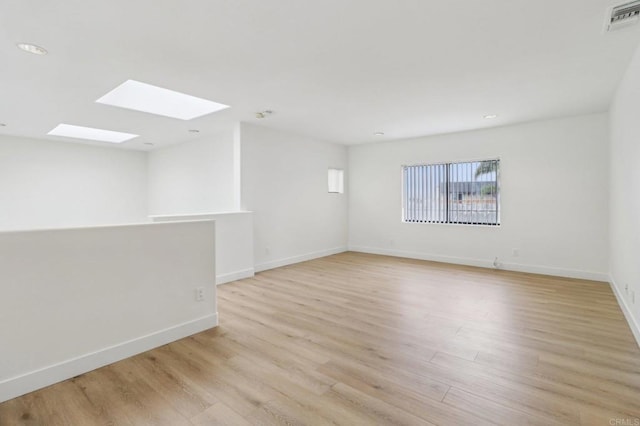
{"points": [[463, 193]]}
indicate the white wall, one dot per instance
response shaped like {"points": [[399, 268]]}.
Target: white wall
{"points": [[234, 242], [284, 183], [554, 183], [193, 177], [55, 184], [625, 193], [76, 299]]}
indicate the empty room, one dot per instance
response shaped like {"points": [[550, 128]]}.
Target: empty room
{"points": [[241, 212]]}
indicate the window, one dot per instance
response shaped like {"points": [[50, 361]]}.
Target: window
{"points": [[336, 181], [462, 193]]}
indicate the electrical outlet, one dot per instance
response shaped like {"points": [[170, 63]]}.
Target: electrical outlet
{"points": [[199, 294], [515, 252], [267, 250]]}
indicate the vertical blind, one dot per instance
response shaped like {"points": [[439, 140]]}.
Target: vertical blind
{"points": [[463, 193]]}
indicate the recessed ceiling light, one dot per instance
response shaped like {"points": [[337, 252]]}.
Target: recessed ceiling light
{"points": [[2, 125], [32, 48], [149, 143], [194, 131], [491, 116], [378, 134], [80, 132], [156, 100]]}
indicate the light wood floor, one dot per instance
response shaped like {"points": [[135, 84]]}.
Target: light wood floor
{"points": [[357, 339]]}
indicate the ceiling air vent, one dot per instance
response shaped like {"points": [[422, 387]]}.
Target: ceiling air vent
{"points": [[624, 15]]}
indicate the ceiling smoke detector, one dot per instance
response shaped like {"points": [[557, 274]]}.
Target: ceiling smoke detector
{"points": [[623, 15], [264, 114]]}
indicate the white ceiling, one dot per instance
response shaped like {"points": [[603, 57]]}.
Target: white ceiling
{"points": [[335, 69]]}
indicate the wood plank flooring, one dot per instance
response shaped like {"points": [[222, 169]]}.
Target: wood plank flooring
{"points": [[357, 339]]}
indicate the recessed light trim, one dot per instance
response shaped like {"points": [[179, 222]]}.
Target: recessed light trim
{"points": [[90, 133], [194, 131], [378, 134], [145, 97], [490, 116], [32, 48], [3, 125]]}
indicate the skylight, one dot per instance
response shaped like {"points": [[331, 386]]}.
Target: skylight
{"points": [[156, 100], [89, 133]]}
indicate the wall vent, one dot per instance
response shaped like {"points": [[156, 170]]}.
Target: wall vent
{"points": [[624, 15]]}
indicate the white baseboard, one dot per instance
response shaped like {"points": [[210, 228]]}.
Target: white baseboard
{"points": [[296, 259], [233, 276], [633, 323], [487, 263], [556, 272], [25, 383]]}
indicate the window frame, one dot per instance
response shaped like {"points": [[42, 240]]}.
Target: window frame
{"points": [[498, 180]]}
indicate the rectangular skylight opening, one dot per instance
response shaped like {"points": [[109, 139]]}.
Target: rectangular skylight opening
{"points": [[90, 133], [156, 100]]}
